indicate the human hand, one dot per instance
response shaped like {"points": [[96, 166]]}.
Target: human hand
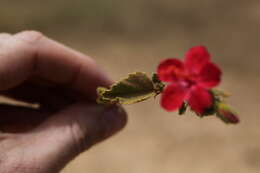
{"points": [[36, 69]]}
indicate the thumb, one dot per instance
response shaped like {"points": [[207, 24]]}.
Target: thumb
{"points": [[69, 132]]}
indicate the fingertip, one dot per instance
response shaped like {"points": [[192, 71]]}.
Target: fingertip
{"points": [[114, 119], [99, 127]]}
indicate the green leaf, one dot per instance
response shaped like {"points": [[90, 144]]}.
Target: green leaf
{"points": [[158, 85], [183, 108], [135, 88], [219, 94], [155, 78]]}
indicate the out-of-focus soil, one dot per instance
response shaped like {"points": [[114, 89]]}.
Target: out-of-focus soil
{"points": [[127, 36]]}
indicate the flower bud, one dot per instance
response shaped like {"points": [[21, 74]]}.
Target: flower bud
{"points": [[227, 115]]}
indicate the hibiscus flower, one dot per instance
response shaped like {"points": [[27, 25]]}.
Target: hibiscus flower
{"points": [[189, 81]]}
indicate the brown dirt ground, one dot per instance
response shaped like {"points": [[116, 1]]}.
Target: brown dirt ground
{"points": [[127, 36]]}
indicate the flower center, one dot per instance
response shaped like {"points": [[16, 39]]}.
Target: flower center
{"points": [[187, 82]]}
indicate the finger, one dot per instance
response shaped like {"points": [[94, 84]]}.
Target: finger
{"points": [[30, 53], [14, 119], [4, 36], [90, 123], [63, 136], [52, 98]]}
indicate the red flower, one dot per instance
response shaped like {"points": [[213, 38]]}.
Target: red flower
{"points": [[189, 80]]}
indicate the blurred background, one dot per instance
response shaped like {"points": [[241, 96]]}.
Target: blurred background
{"points": [[124, 36]]}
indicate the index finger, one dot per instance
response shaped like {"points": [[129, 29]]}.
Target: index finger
{"points": [[29, 53]]}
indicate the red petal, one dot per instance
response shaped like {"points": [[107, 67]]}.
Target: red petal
{"points": [[173, 97], [199, 99], [210, 76], [169, 70], [196, 58]]}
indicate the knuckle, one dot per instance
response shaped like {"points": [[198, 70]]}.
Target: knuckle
{"points": [[5, 35], [29, 36]]}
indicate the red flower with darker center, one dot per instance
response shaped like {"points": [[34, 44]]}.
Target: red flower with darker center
{"points": [[189, 81]]}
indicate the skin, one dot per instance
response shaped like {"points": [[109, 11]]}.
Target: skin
{"points": [[36, 69]]}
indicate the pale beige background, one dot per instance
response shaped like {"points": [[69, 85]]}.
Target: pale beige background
{"points": [[125, 36]]}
